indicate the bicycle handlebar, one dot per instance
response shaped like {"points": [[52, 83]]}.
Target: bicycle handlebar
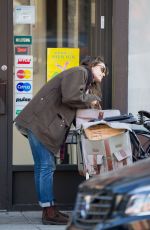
{"points": [[143, 113]]}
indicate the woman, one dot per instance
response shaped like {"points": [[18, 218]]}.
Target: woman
{"points": [[46, 121]]}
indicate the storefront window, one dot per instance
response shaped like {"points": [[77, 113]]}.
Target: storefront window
{"points": [[139, 55], [39, 25], [71, 27]]}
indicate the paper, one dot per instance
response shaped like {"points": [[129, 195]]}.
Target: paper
{"points": [[24, 15]]}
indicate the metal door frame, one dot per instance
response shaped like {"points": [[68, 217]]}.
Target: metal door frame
{"points": [[112, 43], [6, 79], [102, 45], [120, 55]]}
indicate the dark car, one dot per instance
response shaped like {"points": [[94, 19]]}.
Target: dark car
{"points": [[141, 223], [116, 200]]}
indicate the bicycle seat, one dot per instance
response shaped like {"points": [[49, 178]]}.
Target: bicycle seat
{"points": [[125, 118]]}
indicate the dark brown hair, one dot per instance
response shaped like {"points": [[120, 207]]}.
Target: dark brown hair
{"points": [[90, 61]]}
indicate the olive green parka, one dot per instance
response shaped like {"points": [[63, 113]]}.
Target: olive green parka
{"points": [[52, 110]]}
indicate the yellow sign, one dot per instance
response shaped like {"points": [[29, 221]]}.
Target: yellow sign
{"points": [[60, 59]]}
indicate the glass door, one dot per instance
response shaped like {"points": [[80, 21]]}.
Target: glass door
{"points": [[38, 27]]}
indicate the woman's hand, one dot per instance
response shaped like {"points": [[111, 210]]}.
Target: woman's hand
{"points": [[95, 105]]}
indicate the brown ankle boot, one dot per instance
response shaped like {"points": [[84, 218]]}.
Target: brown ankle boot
{"points": [[51, 215], [62, 213]]}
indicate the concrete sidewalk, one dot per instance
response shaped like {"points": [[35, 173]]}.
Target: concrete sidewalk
{"points": [[30, 220]]}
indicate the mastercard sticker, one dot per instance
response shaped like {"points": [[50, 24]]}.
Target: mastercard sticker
{"points": [[23, 74]]}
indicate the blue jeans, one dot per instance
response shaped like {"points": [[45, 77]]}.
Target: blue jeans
{"points": [[44, 167]]}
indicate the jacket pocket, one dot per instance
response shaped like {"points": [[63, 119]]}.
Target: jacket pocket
{"points": [[58, 129]]}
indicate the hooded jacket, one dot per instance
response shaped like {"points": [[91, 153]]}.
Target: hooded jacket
{"points": [[52, 110]]}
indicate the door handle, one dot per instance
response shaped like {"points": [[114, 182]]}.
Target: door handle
{"points": [[4, 67], [2, 98]]}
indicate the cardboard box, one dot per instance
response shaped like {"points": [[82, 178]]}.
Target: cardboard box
{"points": [[85, 115]]}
